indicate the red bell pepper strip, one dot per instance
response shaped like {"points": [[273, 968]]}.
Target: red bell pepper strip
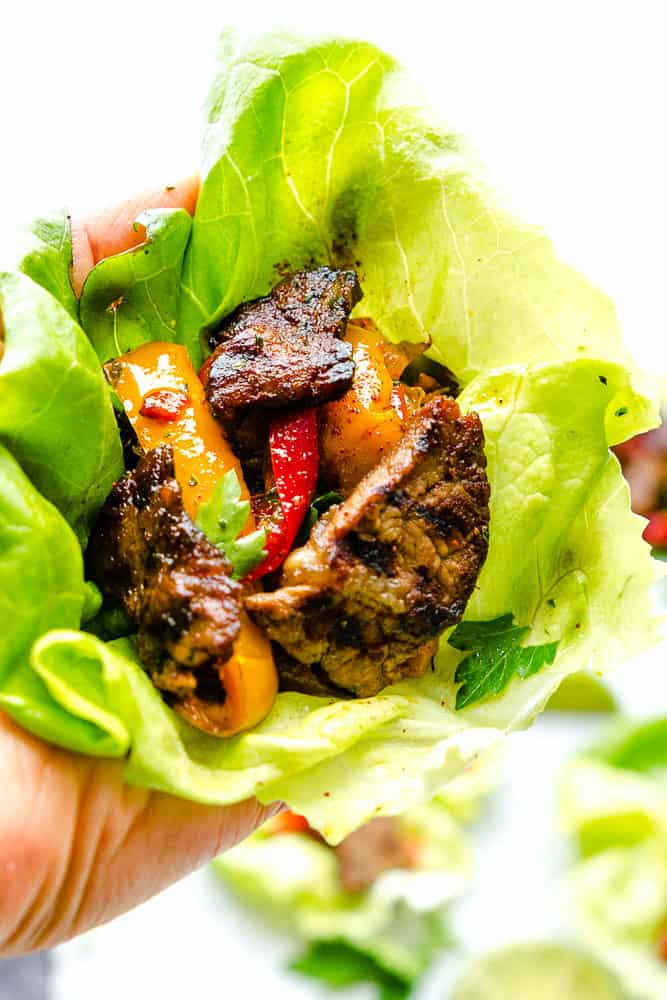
{"points": [[288, 822], [655, 532], [295, 463]]}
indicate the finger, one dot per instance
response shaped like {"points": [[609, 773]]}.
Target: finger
{"points": [[113, 230], [78, 846]]}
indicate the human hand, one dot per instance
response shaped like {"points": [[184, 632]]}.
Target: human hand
{"points": [[77, 845]]}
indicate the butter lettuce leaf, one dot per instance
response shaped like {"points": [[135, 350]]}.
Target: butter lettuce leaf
{"points": [[56, 415], [132, 298], [41, 570], [45, 255], [323, 151], [41, 588]]}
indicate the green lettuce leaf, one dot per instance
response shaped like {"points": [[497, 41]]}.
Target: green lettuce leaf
{"points": [[55, 412], [41, 570], [41, 588], [45, 255], [323, 151], [132, 298]]}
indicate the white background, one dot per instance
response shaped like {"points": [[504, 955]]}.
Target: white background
{"points": [[566, 103]]}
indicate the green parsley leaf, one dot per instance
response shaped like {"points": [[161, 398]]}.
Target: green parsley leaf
{"points": [[223, 518], [472, 635], [535, 657], [339, 964], [495, 655]]}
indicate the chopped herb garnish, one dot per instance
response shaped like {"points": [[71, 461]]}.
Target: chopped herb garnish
{"points": [[223, 518], [495, 655]]}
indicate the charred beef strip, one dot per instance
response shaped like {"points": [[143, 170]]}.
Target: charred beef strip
{"points": [[383, 574], [375, 848], [282, 351], [175, 585]]}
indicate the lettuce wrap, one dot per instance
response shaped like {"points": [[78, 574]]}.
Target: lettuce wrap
{"points": [[613, 800], [322, 151], [292, 879], [399, 924]]}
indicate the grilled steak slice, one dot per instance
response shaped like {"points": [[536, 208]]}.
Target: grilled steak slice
{"points": [[285, 350], [175, 585], [375, 848], [385, 572]]}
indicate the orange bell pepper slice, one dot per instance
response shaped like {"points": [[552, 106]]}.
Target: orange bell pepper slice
{"points": [[201, 451], [165, 404], [359, 429]]}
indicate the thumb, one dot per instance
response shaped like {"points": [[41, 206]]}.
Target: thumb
{"points": [[113, 230], [78, 846]]}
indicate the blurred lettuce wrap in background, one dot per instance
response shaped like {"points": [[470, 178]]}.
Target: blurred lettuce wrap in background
{"points": [[613, 800], [369, 897], [321, 151]]}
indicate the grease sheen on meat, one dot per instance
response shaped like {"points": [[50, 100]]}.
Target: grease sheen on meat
{"points": [[361, 604], [284, 350], [175, 585]]}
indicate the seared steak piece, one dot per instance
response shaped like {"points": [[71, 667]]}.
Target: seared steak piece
{"points": [[284, 350], [382, 574], [375, 848], [175, 585]]}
